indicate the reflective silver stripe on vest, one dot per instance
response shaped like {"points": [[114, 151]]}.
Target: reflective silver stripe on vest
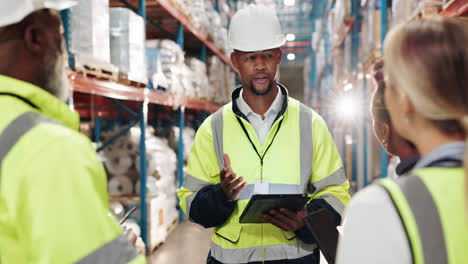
{"points": [[427, 219], [306, 152], [16, 129], [335, 179], [334, 202], [188, 203], [217, 128], [306, 145], [117, 251], [194, 184], [254, 254], [273, 188]]}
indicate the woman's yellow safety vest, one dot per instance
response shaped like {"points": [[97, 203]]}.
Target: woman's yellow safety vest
{"points": [[432, 207]]}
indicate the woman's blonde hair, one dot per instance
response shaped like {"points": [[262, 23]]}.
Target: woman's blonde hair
{"points": [[428, 60]]}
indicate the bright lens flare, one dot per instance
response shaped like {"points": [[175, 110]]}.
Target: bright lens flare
{"points": [[347, 107]]}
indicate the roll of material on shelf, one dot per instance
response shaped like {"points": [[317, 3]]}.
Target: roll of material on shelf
{"points": [[117, 209], [132, 225], [118, 162], [120, 185], [150, 164], [151, 186]]}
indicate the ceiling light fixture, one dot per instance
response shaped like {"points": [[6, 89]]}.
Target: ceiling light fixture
{"points": [[290, 37], [291, 56], [289, 2]]}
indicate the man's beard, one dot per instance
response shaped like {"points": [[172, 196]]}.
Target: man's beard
{"points": [[56, 80], [260, 93]]}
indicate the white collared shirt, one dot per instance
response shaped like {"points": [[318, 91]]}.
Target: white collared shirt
{"points": [[261, 126]]}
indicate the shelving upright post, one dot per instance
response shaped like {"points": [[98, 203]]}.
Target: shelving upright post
{"points": [[143, 124], [180, 149], [383, 11]]}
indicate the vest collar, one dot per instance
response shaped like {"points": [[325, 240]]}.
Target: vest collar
{"points": [[451, 151], [46, 103], [236, 93]]}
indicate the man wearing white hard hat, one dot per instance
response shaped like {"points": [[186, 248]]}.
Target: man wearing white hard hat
{"points": [[263, 142], [53, 193]]}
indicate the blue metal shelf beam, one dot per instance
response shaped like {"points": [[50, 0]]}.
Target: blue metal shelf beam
{"points": [[117, 136], [355, 5], [180, 149], [180, 153], [66, 20], [143, 205], [143, 122], [383, 153]]}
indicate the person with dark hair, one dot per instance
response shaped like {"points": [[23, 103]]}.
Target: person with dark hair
{"points": [[404, 152]]}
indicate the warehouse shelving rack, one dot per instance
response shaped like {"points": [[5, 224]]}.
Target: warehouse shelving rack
{"points": [[163, 20], [453, 8]]}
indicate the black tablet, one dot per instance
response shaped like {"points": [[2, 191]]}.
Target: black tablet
{"points": [[262, 203], [323, 229]]}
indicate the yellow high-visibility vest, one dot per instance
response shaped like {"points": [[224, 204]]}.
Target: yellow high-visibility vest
{"points": [[299, 156]]}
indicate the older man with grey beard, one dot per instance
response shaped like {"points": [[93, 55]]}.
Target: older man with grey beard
{"points": [[53, 197]]}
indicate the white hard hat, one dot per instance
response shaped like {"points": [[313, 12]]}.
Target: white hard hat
{"points": [[13, 11], [255, 28]]}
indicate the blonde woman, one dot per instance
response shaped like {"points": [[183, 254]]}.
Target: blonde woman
{"points": [[419, 218], [405, 154]]}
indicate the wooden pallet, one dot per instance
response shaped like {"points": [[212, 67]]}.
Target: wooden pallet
{"points": [[96, 69], [153, 249], [172, 226], [129, 81]]}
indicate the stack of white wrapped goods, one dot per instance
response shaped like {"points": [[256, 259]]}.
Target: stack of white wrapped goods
{"points": [[127, 42], [187, 77], [197, 13], [90, 40], [188, 136], [222, 80], [171, 62], [154, 66], [122, 161], [204, 17], [200, 82], [90, 30]]}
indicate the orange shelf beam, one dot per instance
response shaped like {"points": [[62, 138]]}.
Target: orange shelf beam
{"points": [[456, 8], [291, 44], [114, 90]]}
